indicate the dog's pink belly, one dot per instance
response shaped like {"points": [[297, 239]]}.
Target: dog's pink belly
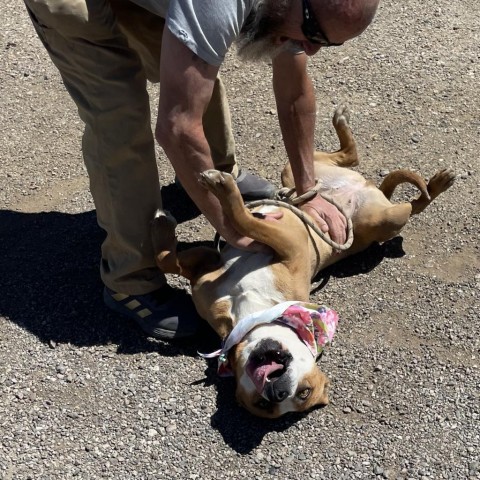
{"points": [[345, 190]]}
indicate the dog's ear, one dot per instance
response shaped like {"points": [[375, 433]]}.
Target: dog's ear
{"points": [[323, 397], [234, 358]]}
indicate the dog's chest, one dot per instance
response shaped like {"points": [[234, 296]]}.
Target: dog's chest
{"points": [[248, 283]]}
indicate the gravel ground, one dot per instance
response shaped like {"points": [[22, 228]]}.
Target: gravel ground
{"points": [[83, 394]]}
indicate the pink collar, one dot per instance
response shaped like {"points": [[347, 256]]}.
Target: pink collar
{"points": [[315, 325]]}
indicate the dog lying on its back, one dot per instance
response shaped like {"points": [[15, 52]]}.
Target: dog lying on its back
{"points": [[270, 346]]}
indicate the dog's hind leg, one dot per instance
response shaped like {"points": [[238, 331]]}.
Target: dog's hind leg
{"points": [[346, 156], [190, 263], [378, 222]]}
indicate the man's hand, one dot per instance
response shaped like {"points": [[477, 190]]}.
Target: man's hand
{"points": [[328, 218], [233, 238]]}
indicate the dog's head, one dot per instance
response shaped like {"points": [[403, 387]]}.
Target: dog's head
{"points": [[272, 353], [275, 368]]}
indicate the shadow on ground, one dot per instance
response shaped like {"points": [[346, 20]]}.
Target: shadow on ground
{"points": [[50, 283], [360, 263], [50, 286], [242, 431]]}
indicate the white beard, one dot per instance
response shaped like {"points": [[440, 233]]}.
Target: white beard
{"points": [[256, 43]]}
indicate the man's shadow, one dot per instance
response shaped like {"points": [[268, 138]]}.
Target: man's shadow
{"points": [[50, 283]]}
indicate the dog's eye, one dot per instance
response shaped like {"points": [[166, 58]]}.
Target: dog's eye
{"points": [[304, 394]]}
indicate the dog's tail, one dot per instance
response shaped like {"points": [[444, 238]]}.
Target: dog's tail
{"points": [[393, 179]]}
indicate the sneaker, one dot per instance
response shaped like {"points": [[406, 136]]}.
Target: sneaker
{"points": [[252, 187], [165, 313]]}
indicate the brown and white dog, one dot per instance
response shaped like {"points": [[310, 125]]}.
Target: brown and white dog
{"points": [[275, 370]]}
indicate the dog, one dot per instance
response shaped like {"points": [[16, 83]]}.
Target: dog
{"points": [[257, 302]]}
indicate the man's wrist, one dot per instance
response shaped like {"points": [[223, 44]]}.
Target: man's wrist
{"points": [[305, 187]]}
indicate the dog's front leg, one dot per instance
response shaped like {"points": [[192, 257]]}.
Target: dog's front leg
{"points": [[272, 233], [191, 263]]}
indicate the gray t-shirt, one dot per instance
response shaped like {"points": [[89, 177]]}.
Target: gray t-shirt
{"points": [[207, 27]]}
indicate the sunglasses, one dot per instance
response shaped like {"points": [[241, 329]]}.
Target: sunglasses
{"points": [[311, 29]]}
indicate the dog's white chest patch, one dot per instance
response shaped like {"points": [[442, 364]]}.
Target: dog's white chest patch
{"points": [[249, 283]]}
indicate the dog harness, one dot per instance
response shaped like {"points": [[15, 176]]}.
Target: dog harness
{"points": [[315, 326]]}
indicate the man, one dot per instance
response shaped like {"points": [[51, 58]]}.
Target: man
{"points": [[106, 49]]}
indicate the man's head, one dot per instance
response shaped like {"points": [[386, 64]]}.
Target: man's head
{"points": [[276, 25]]}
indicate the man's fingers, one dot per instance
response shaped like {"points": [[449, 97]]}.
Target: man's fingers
{"points": [[329, 221], [340, 234], [323, 225], [319, 220]]}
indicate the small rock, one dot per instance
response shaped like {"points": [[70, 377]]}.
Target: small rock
{"points": [[170, 428], [473, 467], [378, 470]]}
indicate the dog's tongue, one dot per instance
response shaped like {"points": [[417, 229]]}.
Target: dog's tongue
{"points": [[260, 374]]}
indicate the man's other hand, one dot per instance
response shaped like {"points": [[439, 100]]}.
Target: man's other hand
{"points": [[328, 218]]}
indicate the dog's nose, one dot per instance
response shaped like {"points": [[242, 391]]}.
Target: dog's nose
{"points": [[279, 395], [278, 390]]}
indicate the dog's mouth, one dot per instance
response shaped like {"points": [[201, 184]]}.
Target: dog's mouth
{"points": [[268, 362]]}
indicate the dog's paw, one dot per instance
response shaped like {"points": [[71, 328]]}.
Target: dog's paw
{"points": [[341, 117], [440, 182], [217, 182]]}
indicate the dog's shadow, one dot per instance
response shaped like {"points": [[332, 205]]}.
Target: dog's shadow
{"points": [[360, 263], [240, 430]]}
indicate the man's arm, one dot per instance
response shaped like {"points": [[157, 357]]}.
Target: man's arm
{"points": [[186, 85], [296, 107]]}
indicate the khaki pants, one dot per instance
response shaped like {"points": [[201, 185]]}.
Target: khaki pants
{"points": [[104, 64]]}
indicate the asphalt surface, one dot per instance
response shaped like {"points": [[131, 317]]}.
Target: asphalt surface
{"points": [[84, 395]]}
